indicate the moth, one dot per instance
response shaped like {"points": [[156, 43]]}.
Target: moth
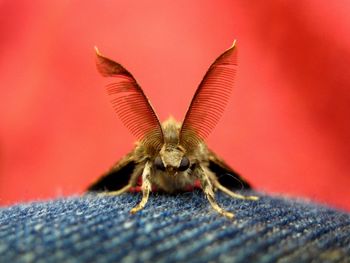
{"points": [[171, 156]]}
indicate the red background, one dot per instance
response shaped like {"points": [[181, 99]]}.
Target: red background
{"points": [[286, 128]]}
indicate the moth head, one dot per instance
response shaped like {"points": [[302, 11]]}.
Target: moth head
{"points": [[172, 159]]}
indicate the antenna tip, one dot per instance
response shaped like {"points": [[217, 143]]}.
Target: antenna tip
{"points": [[97, 51], [234, 43]]}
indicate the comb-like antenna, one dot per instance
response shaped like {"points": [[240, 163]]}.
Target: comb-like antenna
{"points": [[130, 103], [210, 99]]}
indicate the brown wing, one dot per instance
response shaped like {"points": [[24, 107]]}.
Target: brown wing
{"points": [[117, 177], [210, 99], [225, 174], [130, 103]]}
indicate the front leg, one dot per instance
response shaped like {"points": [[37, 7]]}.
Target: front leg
{"points": [[208, 190], [146, 188]]}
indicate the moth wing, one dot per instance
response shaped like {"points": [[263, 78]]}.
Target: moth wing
{"points": [[225, 174], [117, 177]]}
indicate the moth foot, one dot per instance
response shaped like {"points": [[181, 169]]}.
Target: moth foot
{"points": [[217, 208], [136, 209], [225, 213], [102, 194], [252, 197], [243, 197], [235, 195], [140, 205]]}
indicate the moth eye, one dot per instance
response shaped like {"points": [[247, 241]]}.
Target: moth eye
{"points": [[158, 163], [184, 164]]}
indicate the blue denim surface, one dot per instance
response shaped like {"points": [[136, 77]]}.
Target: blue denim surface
{"points": [[173, 229]]}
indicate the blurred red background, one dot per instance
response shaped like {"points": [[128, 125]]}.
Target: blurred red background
{"points": [[286, 128]]}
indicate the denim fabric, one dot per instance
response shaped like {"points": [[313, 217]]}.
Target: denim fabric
{"points": [[173, 228]]}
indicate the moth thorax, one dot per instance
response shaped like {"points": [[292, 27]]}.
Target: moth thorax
{"points": [[171, 156]]}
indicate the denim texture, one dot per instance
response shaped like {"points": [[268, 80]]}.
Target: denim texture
{"points": [[173, 228]]}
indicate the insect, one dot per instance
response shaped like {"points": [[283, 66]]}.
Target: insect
{"points": [[171, 156]]}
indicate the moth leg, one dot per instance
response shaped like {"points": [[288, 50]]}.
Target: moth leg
{"points": [[227, 191], [146, 188], [120, 191], [209, 193], [233, 194], [132, 182]]}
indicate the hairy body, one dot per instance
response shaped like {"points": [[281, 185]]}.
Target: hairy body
{"points": [[171, 179], [172, 156]]}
